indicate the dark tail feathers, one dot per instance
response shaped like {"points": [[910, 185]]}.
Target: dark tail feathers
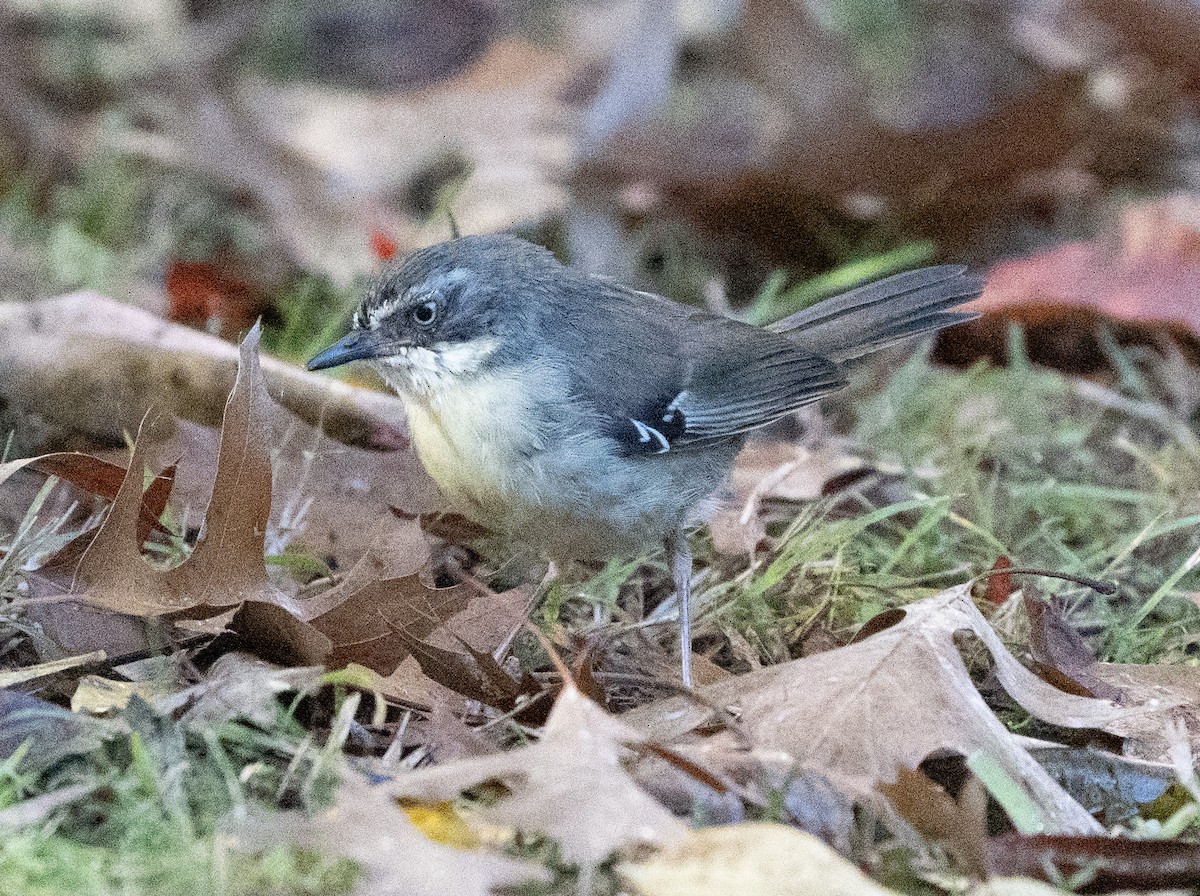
{"points": [[874, 316]]}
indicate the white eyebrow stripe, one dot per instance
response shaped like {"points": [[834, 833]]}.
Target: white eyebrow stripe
{"points": [[648, 432], [382, 310]]}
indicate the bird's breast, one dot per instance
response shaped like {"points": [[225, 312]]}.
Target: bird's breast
{"points": [[552, 481], [475, 438]]}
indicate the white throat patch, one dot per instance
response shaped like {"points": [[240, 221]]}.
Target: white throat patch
{"points": [[428, 370]]}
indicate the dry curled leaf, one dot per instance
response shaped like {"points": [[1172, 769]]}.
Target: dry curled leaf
{"points": [[569, 786], [1176, 689], [1061, 655], [367, 628], [226, 567], [959, 824], [99, 588], [455, 657], [909, 683]]}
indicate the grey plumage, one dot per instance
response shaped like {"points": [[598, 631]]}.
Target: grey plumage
{"points": [[625, 408], [876, 315], [593, 420]]}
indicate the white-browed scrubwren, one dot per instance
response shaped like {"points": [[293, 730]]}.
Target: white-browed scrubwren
{"points": [[592, 420]]}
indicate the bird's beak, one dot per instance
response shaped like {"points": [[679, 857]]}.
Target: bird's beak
{"points": [[357, 345]]}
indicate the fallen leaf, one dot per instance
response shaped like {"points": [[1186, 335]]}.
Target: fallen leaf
{"points": [[94, 375], [999, 585], [569, 786], [1173, 688], [460, 644], [226, 567], [761, 858], [1059, 652], [750, 170], [448, 738], [959, 824], [99, 696], [476, 675], [397, 551], [361, 629], [442, 823], [98, 477], [1140, 283], [780, 470], [105, 569], [365, 825], [911, 683], [274, 633]]}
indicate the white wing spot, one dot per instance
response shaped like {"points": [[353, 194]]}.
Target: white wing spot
{"points": [[676, 405], [649, 432]]}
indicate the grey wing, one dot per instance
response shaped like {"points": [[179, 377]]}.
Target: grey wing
{"points": [[678, 378], [740, 379]]}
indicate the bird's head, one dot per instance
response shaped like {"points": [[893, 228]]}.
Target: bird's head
{"points": [[450, 311]]}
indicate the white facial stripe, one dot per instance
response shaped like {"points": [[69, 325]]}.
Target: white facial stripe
{"points": [[382, 310], [429, 288], [466, 357], [428, 369], [453, 278]]}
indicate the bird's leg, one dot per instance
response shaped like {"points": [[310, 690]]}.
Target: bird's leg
{"points": [[681, 568]]}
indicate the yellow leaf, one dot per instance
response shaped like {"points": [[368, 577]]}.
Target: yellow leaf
{"points": [[441, 824], [98, 696]]}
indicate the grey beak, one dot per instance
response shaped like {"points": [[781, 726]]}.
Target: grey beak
{"points": [[357, 345]]}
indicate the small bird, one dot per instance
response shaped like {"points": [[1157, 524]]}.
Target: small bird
{"points": [[591, 420]]}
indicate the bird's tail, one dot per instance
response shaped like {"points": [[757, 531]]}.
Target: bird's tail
{"points": [[876, 315]]}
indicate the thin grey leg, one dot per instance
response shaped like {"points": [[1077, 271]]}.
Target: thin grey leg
{"points": [[681, 569]]}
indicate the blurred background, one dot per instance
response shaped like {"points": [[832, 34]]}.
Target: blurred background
{"points": [[215, 161]]}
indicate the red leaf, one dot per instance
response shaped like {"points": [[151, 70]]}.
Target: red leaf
{"points": [[999, 585], [383, 247]]}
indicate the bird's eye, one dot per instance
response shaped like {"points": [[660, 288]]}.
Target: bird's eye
{"points": [[425, 313]]}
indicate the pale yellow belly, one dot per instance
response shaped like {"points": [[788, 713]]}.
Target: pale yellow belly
{"points": [[554, 485], [476, 444]]}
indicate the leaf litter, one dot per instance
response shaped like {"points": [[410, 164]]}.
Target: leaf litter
{"points": [[366, 825], [570, 786], [429, 646], [761, 858], [225, 571], [226, 566], [910, 681]]}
